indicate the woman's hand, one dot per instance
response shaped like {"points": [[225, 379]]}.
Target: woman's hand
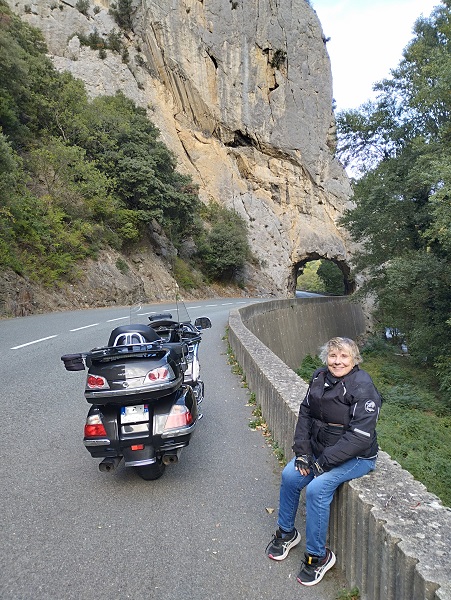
{"points": [[302, 464]]}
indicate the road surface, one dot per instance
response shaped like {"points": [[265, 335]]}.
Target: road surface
{"points": [[72, 532]]}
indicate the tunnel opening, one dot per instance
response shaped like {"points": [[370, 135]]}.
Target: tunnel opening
{"points": [[323, 276]]}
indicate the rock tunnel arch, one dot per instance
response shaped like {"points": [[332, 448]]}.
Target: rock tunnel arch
{"points": [[341, 265]]}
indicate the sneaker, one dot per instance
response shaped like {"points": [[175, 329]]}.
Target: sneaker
{"points": [[281, 544], [314, 568]]}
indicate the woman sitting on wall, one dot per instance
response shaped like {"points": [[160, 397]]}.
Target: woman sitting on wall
{"points": [[335, 441]]}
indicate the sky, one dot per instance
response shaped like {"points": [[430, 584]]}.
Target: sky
{"points": [[367, 40]]}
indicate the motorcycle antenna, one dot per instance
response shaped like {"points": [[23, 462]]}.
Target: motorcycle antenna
{"points": [[134, 310], [177, 301]]}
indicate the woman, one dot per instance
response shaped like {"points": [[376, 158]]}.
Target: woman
{"points": [[334, 441]]}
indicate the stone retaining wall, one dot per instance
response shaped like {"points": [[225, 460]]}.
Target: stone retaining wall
{"points": [[392, 537]]}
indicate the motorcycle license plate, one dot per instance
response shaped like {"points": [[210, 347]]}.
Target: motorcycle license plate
{"points": [[135, 414]]}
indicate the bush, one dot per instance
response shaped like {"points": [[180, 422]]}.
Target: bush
{"points": [[415, 422], [224, 249], [82, 6], [122, 14], [184, 275], [308, 367]]}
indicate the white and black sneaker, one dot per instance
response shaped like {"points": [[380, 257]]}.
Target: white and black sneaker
{"points": [[314, 568], [281, 544]]}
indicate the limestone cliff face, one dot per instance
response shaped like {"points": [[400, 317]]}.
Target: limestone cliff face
{"points": [[242, 93]]}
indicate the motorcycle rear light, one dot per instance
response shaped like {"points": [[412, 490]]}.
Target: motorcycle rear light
{"points": [[94, 427], [138, 447], [159, 374], [179, 416], [96, 382]]}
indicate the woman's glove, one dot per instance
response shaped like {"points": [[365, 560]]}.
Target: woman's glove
{"points": [[317, 470], [303, 462]]}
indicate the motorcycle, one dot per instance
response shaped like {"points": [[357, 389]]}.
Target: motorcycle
{"points": [[144, 388]]}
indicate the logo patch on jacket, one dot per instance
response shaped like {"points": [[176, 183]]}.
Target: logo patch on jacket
{"points": [[370, 406]]}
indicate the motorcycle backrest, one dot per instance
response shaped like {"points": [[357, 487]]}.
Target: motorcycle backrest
{"points": [[126, 335]]}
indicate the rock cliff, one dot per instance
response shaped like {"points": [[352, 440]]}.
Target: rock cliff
{"points": [[242, 93]]}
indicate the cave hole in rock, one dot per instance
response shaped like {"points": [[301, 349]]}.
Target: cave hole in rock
{"points": [[323, 276]]}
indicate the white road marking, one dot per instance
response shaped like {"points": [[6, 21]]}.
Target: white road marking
{"points": [[85, 327], [34, 342], [118, 319]]}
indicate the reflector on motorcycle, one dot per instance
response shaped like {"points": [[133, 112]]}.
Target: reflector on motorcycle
{"points": [[94, 427], [179, 416], [160, 374], [96, 382]]}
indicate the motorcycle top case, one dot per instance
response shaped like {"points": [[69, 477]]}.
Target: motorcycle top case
{"points": [[133, 374]]}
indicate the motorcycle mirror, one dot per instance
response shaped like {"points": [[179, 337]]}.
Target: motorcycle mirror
{"points": [[202, 323]]}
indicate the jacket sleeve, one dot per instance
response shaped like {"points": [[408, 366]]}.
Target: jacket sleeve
{"points": [[303, 429], [360, 437]]}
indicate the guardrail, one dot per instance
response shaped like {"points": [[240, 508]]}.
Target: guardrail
{"points": [[392, 537]]}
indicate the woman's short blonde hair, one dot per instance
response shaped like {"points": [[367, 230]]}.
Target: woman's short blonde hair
{"points": [[340, 343]]}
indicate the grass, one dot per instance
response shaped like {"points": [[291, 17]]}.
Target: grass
{"points": [[353, 594], [415, 423]]}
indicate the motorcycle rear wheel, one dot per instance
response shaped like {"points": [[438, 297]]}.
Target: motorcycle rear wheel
{"points": [[151, 472]]}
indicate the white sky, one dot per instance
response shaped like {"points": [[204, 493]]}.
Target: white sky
{"points": [[367, 40]]}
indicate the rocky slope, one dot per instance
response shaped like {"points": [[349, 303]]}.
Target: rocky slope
{"points": [[242, 93]]}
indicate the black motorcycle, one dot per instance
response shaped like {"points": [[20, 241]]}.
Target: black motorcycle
{"points": [[145, 391]]}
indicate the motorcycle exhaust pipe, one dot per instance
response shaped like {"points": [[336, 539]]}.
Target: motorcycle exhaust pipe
{"points": [[109, 464], [171, 459]]}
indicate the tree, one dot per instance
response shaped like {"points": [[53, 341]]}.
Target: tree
{"points": [[124, 144], [332, 277], [399, 146], [122, 14], [224, 249], [25, 73]]}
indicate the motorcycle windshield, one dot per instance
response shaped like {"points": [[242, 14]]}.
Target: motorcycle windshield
{"points": [[176, 312]]}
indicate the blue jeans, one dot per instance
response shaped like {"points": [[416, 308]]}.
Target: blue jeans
{"points": [[318, 497]]}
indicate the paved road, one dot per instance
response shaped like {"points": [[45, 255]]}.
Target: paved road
{"points": [[71, 532]]}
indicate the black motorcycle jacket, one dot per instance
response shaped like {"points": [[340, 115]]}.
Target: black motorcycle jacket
{"points": [[337, 418]]}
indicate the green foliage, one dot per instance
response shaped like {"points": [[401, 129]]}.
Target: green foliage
{"points": [[184, 274], [353, 594], [118, 136], [82, 6], [224, 249], [94, 40], [257, 422], [321, 276], [25, 78], [278, 58], [332, 277], [308, 366], [113, 41], [309, 278], [75, 174], [122, 266], [402, 216], [122, 13], [415, 423]]}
